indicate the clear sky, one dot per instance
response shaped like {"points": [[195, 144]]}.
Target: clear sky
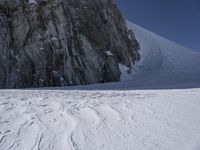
{"points": [[177, 20]]}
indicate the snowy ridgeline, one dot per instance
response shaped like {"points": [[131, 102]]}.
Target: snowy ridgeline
{"points": [[93, 118], [162, 62]]}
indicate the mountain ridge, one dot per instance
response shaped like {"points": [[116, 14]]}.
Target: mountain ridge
{"points": [[161, 36], [163, 64], [178, 63], [62, 43]]}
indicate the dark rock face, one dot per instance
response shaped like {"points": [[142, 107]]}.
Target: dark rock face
{"points": [[62, 42]]}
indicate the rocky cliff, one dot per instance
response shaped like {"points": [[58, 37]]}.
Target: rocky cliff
{"points": [[62, 42]]}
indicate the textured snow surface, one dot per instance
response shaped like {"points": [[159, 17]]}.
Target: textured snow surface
{"points": [[99, 120], [157, 107]]}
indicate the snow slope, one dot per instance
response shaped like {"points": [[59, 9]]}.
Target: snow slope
{"points": [[163, 65], [113, 116], [164, 62]]}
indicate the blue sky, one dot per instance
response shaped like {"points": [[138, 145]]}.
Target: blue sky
{"points": [[177, 20]]}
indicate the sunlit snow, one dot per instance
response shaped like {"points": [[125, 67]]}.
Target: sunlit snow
{"points": [[156, 107]]}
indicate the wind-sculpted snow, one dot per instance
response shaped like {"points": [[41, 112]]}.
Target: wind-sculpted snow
{"points": [[99, 120]]}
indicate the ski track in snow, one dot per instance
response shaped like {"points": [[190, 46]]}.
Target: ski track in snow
{"points": [[119, 118], [99, 120]]}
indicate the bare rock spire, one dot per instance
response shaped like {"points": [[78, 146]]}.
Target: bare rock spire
{"points": [[62, 42]]}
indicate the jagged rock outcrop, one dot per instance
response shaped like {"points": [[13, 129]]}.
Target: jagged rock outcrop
{"points": [[62, 42]]}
